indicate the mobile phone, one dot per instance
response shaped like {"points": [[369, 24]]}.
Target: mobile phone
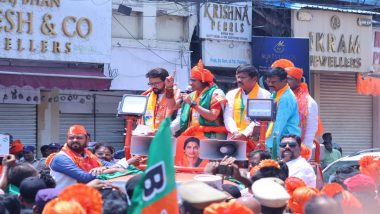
{"points": [[225, 170], [242, 164]]}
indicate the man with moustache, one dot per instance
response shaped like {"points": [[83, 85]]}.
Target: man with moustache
{"points": [[235, 115], [287, 118], [307, 107], [74, 163], [158, 94], [290, 149]]}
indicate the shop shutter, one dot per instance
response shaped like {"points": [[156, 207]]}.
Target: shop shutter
{"points": [[347, 115], [110, 129], [21, 121]]}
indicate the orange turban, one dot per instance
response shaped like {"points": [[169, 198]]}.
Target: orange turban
{"points": [[57, 206], [227, 207], [294, 72], [305, 152], [300, 197], [370, 165], [282, 63], [78, 198], [332, 189], [292, 183], [200, 73], [16, 147], [350, 204], [77, 129]]}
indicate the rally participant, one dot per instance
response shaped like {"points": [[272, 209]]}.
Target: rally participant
{"points": [[158, 93], [74, 163], [307, 107], [203, 107], [290, 148], [287, 118], [236, 121]]}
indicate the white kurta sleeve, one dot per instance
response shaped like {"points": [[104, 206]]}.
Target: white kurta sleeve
{"points": [[174, 126], [228, 113], [312, 122]]}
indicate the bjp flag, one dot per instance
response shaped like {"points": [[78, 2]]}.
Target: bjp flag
{"points": [[156, 191]]}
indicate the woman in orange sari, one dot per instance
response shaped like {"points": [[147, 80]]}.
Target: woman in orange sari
{"points": [[191, 156]]}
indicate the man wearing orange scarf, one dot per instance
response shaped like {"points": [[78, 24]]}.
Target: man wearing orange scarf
{"points": [[203, 107], [74, 163], [307, 107], [158, 94], [235, 116], [287, 118]]}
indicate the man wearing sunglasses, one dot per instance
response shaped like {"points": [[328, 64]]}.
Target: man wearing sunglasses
{"points": [[290, 149], [156, 109]]}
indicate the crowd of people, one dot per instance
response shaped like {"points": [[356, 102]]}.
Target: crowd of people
{"points": [[75, 177]]}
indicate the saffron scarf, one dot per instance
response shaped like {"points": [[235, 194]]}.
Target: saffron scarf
{"points": [[301, 94], [185, 162], [155, 111], [86, 163], [277, 96], [240, 108]]}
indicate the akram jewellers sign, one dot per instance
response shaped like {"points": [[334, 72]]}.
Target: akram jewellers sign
{"points": [[226, 21], [77, 31], [337, 41]]}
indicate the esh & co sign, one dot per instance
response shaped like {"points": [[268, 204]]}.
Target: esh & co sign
{"points": [[77, 31]]}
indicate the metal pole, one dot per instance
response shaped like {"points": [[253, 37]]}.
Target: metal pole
{"points": [[128, 136]]}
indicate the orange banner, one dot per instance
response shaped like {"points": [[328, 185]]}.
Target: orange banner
{"points": [[368, 85], [167, 204]]}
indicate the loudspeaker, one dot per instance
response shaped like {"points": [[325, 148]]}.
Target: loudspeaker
{"points": [[212, 149], [124, 10], [140, 144]]}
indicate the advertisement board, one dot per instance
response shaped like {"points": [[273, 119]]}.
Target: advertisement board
{"points": [[231, 21], [265, 50], [72, 31]]}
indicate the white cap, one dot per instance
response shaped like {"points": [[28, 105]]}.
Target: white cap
{"points": [[212, 180], [270, 193]]}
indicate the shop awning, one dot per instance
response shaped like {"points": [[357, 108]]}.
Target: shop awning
{"points": [[49, 78], [318, 6]]}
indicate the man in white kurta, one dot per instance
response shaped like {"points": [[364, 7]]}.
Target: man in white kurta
{"points": [[290, 149], [237, 123], [307, 107]]}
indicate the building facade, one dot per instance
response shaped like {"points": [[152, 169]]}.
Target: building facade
{"points": [[340, 47]]}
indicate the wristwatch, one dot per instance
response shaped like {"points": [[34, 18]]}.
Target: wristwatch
{"points": [[193, 104]]}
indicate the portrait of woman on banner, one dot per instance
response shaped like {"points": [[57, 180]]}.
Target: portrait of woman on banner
{"points": [[189, 156]]}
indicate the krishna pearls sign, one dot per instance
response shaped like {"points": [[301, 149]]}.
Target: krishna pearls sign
{"points": [[226, 21], [70, 30]]}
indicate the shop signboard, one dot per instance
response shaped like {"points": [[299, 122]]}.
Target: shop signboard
{"points": [[56, 30], [265, 50], [231, 21]]}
